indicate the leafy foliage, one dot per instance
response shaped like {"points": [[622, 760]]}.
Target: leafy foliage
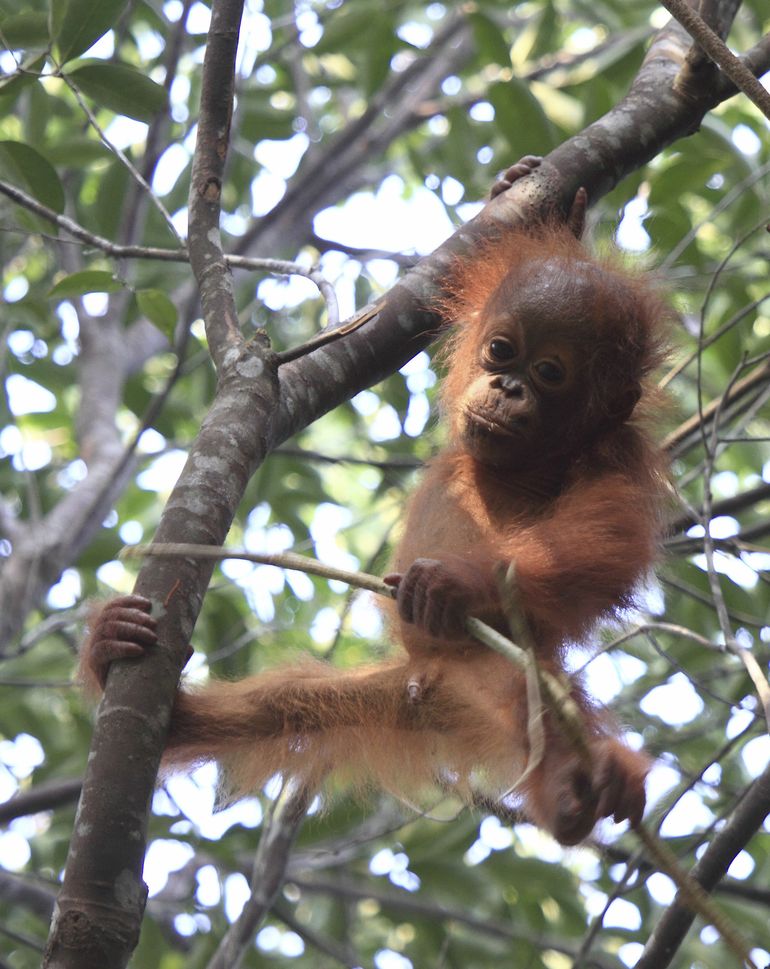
{"points": [[358, 121]]}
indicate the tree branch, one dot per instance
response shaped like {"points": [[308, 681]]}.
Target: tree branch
{"points": [[205, 244], [43, 797], [103, 896], [671, 928], [278, 835], [652, 116], [719, 53]]}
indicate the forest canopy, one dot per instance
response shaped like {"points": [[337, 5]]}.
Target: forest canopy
{"points": [[183, 181]]}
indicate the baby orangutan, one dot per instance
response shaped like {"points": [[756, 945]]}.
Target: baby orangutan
{"points": [[548, 466]]}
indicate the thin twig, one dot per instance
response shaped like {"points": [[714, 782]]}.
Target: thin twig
{"points": [[280, 267], [711, 445], [756, 675], [712, 45], [633, 866], [282, 560], [270, 862], [125, 160], [736, 192], [329, 335], [685, 361], [642, 629], [677, 438], [556, 692], [521, 633]]}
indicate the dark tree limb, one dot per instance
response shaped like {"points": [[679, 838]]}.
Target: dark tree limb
{"points": [[98, 915], [746, 819], [329, 171], [278, 835], [31, 895], [43, 797], [204, 242], [653, 115], [688, 434], [726, 506]]}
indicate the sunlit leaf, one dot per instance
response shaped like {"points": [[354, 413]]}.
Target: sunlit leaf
{"points": [[80, 23], [121, 89], [25, 167], [159, 309], [24, 30], [87, 281]]}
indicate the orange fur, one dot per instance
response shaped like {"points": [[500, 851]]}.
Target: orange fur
{"points": [[310, 718], [561, 479]]}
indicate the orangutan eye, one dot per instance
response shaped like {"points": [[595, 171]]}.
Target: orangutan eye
{"points": [[500, 350], [550, 372]]}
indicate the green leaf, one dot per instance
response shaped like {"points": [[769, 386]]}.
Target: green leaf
{"points": [[490, 39], [545, 39], [121, 89], [25, 30], [87, 281], [110, 199], [25, 167], [41, 108], [159, 309], [81, 151], [346, 28], [77, 24], [258, 119], [521, 119]]}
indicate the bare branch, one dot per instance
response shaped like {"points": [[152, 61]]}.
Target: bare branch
{"points": [[119, 153], [206, 253], [689, 431], [281, 267], [35, 897], [43, 797], [719, 53], [671, 928], [103, 895], [278, 835]]}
